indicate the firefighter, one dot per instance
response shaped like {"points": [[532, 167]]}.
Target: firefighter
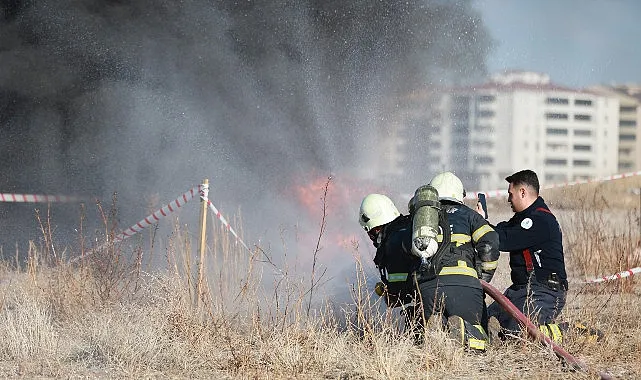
{"points": [[407, 278], [534, 240], [473, 253]]}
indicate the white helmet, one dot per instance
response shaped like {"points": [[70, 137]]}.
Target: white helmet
{"points": [[448, 186], [376, 210]]}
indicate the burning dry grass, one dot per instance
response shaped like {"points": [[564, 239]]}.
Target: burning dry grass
{"points": [[107, 318]]}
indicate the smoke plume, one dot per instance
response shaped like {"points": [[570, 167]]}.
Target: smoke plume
{"points": [[149, 97]]}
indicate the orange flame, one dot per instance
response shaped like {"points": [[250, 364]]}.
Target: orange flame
{"points": [[342, 200]]}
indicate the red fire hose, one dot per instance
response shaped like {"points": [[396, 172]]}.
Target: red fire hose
{"points": [[532, 330]]}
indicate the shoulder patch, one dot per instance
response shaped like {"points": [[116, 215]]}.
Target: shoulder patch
{"points": [[526, 223]]}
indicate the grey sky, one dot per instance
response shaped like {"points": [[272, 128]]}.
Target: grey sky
{"points": [[578, 43]]}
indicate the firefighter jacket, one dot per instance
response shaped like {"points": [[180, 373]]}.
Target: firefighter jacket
{"points": [[395, 261], [468, 247], [533, 238], [474, 247]]}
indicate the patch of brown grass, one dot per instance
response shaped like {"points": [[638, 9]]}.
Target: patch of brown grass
{"points": [[57, 320]]}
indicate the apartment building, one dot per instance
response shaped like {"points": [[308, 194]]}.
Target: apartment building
{"points": [[521, 120], [409, 147], [629, 124]]}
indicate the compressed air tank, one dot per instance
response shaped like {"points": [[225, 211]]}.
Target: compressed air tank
{"points": [[424, 207]]}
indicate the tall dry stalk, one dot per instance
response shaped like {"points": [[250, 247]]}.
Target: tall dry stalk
{"points": [[47, 235], [313, 282]]}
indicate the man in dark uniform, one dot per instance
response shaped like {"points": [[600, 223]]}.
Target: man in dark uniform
{"points": [[407, 279], [533, 239]]}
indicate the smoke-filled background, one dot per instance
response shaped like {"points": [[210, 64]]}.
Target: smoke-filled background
{"points": [[146, 98]]}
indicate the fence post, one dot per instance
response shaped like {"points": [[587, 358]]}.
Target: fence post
{"points": [[203, 240]]}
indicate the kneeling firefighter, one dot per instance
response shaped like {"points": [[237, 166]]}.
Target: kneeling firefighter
{"points": [[473, 253], [406, 248]]}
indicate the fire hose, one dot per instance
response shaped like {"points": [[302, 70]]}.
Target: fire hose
{"points": [[532, 330]]}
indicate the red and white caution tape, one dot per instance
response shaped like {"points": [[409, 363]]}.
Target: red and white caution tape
{"points": [[164, 211], [603, 179], [151, 219], [224, 221], [38, 198], [503, 193], [617, 276]]}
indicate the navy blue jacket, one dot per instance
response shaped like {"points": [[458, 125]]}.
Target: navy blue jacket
{"points": [[473, 241], [533, 238]]}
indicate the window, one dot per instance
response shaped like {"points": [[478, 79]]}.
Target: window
{"points": [[582, 117], [556, 162], [582, 132], [627, 137], [583, 102], [627, 108], [460, 108], [485, 160], [554, 147], [556, 177], [557, 131], [557, 101], [484, 128], [484, 144], [625, 151], [583, 148], [581, 162], [486, 98], [460, 126], [556, 116], [627, 123], [485, 113]]}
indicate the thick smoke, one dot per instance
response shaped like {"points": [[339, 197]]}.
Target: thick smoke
{"points": [[149, 97]]}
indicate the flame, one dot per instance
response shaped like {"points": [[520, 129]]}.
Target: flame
{"points": [[343, 197]]}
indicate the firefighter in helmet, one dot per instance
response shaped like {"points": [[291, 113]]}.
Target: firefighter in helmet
{"points": [[473, 253], [407, 277]]}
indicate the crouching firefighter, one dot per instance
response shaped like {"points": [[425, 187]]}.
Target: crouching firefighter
{"points": [[406, 257], [474, 243]]}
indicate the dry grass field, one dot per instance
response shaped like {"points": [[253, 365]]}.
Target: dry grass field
{"points": [[105, 316]]}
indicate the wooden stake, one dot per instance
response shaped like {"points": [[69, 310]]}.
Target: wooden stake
{"points": [[203, 241]]}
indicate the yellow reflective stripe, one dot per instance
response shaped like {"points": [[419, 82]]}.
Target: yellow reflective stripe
{"points": [[476, 235], [461, 239], [489, 265], [557, 336], [481, 329], [476, 344], [439, 238], [396, 277], [461, 269], [458, 270]]}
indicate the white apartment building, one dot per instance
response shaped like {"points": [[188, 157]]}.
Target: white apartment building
{"points": [[520, 120], [409, 150], [629, 125]]}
